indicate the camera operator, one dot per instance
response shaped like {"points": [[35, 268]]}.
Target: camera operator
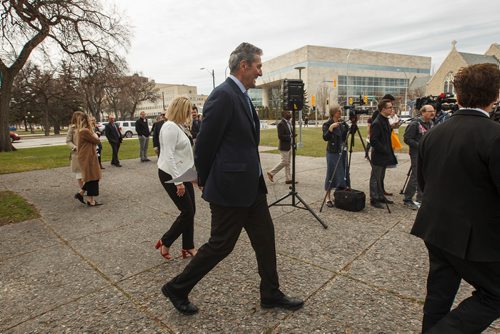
{"points": [[459, 163], [382, 154], [413, 133], [335, 133]]}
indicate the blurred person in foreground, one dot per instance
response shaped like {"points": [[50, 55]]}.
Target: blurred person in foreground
{"points": [[458, 170], [229, 170], [176, 157]]}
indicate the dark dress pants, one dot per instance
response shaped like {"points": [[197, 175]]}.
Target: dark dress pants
{"points": [[377, 183], [115, 147], [226, 226], [184, 223], [472, 315]]}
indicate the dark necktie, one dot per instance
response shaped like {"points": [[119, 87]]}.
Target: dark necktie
{"points": [[250, 113]]}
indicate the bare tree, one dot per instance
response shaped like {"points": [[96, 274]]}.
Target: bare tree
{"points": [[138, 89], [78, 27], [322, 99]]}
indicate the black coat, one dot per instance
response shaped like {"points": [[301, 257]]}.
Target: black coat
{"points": [[226, 150], [112, 133], [336, 138], [142, 127], [459, 173], [156, 133], [284, 136], [414, 132], [380, 140]]}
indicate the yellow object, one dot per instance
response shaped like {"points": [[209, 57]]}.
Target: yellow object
{"points": [[313, 100], [396, 144]]}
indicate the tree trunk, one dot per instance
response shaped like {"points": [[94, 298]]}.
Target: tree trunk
{"points": [[5, 96], [57, 129], [46, 121]]}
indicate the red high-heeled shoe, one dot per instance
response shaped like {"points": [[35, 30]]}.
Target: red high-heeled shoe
{"points": [[166, 255], [188, 253]]}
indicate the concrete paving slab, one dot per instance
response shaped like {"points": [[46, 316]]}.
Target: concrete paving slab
{"points": [[35, 283], [105, 309], [96, 269]]}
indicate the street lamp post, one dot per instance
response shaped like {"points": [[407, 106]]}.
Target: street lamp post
{"points": [[212, 73], [300, 68], [347, 76], [406, 89]]}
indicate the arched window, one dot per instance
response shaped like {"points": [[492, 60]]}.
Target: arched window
{"points": [[448, 84]]}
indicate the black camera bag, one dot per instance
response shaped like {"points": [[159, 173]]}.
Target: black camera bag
{"points": [[350, 200]]}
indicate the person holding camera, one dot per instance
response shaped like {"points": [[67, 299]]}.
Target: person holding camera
{"points": [[382, 154], [413, 133], [335, 134], [458, 170]]}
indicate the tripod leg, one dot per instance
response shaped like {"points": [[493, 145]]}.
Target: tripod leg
{"points": [[311, 211], [279, 200], [406, 181]]}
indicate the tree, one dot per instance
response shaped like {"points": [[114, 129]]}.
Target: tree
{"points": [[138, 89], [78, 27]]}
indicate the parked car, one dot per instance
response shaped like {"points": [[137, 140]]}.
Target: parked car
{"points": [[14, 136], [127, 128]]}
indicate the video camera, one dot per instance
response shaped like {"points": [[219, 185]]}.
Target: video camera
{"points": [[354, 111], [441, 102], [495, 114]]}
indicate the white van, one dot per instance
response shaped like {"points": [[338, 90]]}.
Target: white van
{"points": [[127, 128]]}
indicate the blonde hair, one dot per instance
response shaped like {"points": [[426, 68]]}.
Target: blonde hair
{"points": [[179, 111], [85, 123], [76, 118], [334, 109]]}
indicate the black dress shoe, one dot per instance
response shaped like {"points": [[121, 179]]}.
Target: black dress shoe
{"points": [[376, 204], [285, 302], [118, 165], [182, 304]]}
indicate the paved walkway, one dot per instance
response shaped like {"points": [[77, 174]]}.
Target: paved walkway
{"points": [[80, 269]]}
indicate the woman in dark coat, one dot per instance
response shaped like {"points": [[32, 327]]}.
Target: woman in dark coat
{"points": [[335, 134]]}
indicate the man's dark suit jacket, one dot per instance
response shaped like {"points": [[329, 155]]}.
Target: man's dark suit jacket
{"points": [[380, 140], [226, 150], [112, 133], [142, 127], [284, 135], [459, 173]]}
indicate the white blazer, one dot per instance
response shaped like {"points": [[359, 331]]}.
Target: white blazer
{"points": [[176, 153]]}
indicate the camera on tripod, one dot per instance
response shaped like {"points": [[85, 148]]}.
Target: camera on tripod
{"points": [[354, 111], [442, 102], [495, 114]]}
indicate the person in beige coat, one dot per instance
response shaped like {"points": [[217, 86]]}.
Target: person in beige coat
{"points": [[87, 158], [72, 142]]}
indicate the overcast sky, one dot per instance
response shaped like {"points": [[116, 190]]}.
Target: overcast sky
{"points": [[172, 40]]}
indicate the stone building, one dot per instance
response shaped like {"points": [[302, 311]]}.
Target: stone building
{"points": [[441, 81], [168, 92], [342, 75]]}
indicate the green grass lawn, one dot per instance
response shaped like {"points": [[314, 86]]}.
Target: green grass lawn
{"points": [[27, 159], [313, 143], [14, 208]]}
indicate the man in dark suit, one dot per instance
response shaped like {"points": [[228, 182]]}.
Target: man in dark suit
{"points": [[142, 129], [228, 166], [382, 153], [115, 138], [285, 144], [459, 173]]}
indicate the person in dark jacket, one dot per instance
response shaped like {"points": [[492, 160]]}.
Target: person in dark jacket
{"points": [[285, 147], [335, 134], [195, 122], [382, 154], [459, 220], [156, 132], [115, 138], [142, 129], [413, 133]]}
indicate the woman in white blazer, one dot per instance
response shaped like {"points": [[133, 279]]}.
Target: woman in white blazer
{"points": [[176, 157]]}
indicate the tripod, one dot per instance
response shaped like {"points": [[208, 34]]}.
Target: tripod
{"points": [[402, 191], [352, 131], [293, 193]]}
